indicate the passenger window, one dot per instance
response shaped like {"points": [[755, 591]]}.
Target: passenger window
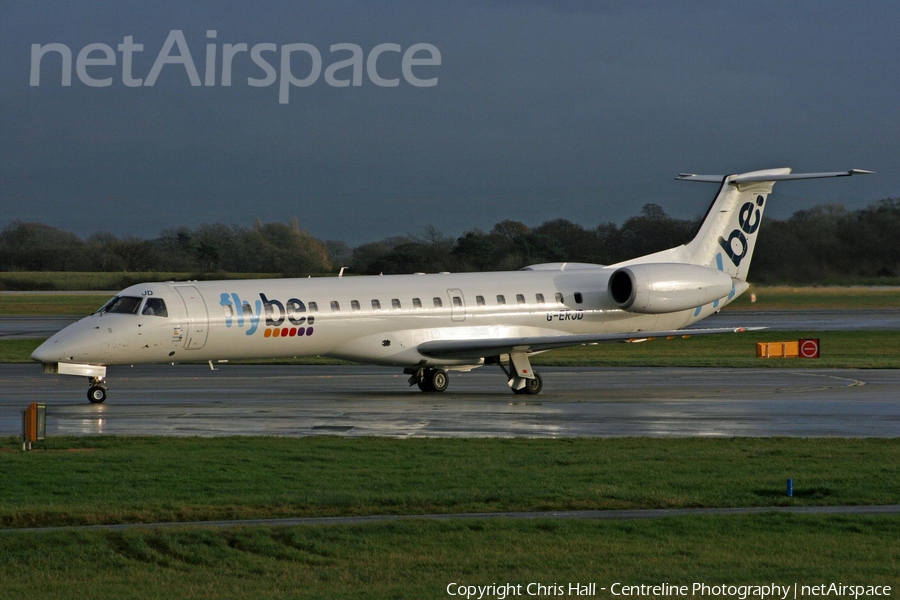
{"points": [[539, 298], [479, 300], [457, 302], [417, 303], [335, 306], [229, 311], [520, 298], [395, 303], [246, 308], [438, 303], [156, 307], [578, 298], [354, 305], [559, 298], [501, 299], [123, 305], [313, 307], [376, 304]]}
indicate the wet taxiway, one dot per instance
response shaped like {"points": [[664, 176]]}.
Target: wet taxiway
{"points": [[353, 401]]}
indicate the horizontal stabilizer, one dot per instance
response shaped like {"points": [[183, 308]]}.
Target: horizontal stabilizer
{"points": [[480, 348], [701, 178], [753, 177]]}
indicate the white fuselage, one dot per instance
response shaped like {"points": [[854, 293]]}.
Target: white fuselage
{"points": [[373, 319]]}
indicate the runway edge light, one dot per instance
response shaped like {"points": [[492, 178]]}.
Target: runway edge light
{"points": [[34, 425]]}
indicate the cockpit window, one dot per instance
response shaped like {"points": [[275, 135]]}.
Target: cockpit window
{"points": [[126, 305], [155, 307]]}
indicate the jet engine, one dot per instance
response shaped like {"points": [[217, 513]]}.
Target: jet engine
{"points": [[666, 287]]}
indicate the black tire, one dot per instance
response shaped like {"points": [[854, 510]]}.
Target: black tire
{"points": [[423, 385], [97, 394], [533, 386], [438, 380]]}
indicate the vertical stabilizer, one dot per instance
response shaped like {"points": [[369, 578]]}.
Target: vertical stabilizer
{"points": [[728, 234]]}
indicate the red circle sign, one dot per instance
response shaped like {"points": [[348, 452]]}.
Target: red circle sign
{"points": [[809, 348]]}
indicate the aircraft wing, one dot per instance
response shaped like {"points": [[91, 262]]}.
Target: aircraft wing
{"points": [[466, 349]]}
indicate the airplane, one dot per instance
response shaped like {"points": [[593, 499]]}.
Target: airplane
{"points": [[432, 324]]}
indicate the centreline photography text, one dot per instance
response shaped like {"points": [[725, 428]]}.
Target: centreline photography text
{"points": [[501, 591]]}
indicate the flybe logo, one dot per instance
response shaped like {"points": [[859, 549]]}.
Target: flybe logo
{"points": [[283, 319], [748, 220]]}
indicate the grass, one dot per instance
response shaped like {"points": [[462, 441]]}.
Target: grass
{"points": [[40, 305], [17, 351], [128, 480], [91, 480], [75, 281], [420, 559], [839, 349], [809, 297]]}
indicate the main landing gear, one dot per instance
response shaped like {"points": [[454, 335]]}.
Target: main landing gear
{"points": [[432, 380], [97, 392], [429, 380], [532, 386]]}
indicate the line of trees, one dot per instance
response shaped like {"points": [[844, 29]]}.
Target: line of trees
{"points": [[825, 244]]}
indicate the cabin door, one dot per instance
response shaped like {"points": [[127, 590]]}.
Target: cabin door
{"points": [[197, 327]]}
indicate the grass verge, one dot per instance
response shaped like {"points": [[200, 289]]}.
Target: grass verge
{"points": [[840, 349], [132, 480], [75, 281], [51, 305], [420, 559], [808, 298]]}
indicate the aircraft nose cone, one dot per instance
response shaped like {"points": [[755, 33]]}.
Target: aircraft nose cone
{"points": [[48, 352]]}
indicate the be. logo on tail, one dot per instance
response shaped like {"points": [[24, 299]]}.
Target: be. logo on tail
{"points": [[748, 220]]}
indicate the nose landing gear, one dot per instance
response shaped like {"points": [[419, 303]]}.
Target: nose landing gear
{"points": [[97, 392]]}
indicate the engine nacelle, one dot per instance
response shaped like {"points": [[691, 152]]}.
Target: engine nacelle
{"points": [[665, 288]]}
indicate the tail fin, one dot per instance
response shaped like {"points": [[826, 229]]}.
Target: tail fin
{"points": [[727, 235]]}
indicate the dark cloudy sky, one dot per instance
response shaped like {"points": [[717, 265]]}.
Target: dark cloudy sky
{"points": [[584, 110]]}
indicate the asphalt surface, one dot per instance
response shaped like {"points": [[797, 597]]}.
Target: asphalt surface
{"points": [[32, 328], [192, 400]]}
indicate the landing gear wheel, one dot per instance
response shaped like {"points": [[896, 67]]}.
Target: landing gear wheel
{"points": [[533, 386], [97, 394], [433, 380], [438, 380]]}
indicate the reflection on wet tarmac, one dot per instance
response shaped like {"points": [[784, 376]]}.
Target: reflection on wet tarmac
{"points": [[358, 401]]}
